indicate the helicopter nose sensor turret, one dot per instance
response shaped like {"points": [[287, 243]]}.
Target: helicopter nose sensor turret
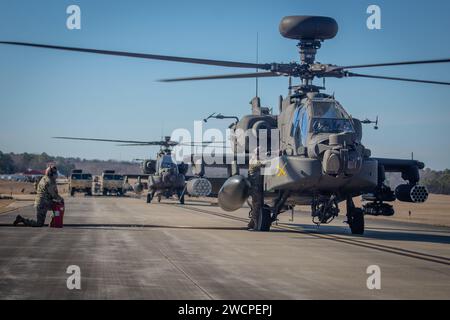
{"points": [[342, 157]]}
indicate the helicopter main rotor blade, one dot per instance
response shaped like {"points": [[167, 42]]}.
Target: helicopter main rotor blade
{"points": [[174, 143], [157, 143], [400, 63], [350, 74], [110, 140], [227, 76], [222, 63]]}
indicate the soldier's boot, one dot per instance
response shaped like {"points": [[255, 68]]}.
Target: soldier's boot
{"points": [[19, 219], [40, 215], [251, 223], [254, 216]]}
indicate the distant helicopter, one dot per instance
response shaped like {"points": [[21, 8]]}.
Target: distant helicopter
{"points": [[166, 177], [321, 159]]}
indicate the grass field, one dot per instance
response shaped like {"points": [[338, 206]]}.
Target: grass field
{"points": [[14, 187], [435, 211]]}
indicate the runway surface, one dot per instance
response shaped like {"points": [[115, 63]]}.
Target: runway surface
{"points": [[127, 249]]}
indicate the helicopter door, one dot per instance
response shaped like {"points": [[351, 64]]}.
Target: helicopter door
{"points": [[304, 125], [300, 126]]}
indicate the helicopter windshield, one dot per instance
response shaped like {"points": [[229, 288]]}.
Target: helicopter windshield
{"points": [[329, 118], [167, 162]]}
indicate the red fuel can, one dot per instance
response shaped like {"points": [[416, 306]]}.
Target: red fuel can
{"points": [[57, 215]]}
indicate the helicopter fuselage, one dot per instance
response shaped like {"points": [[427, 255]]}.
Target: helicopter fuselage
{"points": [[319, 160], [321, 150], [305, 177]]}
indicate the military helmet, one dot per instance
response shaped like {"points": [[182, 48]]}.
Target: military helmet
{"points": [[51, 171]]}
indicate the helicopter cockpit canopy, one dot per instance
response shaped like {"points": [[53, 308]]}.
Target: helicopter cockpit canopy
{"points": [[316, 118], [167, 162], [329, 117]]}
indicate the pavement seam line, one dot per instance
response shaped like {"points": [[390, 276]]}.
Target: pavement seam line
{"points": [[186, 275], [15, 209]]}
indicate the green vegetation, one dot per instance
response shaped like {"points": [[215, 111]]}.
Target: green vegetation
{"points": [[436, 181], [14, 163]]}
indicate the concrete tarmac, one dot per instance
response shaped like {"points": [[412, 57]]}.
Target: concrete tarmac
{"points": [[127, 249]]}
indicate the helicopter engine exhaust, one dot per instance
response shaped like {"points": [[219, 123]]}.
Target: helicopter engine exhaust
{"points": [[234, 193], [149, 166], [411, 193], [198, 187]]}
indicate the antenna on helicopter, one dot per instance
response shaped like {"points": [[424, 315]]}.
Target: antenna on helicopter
{"points": [[257, 59], [367, 121]]}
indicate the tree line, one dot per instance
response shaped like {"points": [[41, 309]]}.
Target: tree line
{"points": [[436, 181], [11, 163]]}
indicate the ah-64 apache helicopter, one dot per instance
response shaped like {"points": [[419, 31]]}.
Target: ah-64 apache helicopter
{"points": [[321, 158], [166, 177]]}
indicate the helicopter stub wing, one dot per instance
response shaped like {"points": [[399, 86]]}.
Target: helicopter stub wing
{"points": [[408, 168]]}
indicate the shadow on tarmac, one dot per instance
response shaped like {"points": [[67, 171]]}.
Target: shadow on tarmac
{"points": [[383, 234], [124, 225]]}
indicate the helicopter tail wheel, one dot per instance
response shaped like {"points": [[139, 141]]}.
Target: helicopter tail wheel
{"points": [[149, 198], [356, 221]]}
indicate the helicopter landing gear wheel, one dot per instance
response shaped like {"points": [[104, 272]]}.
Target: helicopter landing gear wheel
{"points": [[356, 221], [263, 219], [355, 217]]}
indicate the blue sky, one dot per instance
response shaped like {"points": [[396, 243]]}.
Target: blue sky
{"points": [[47, 93]]}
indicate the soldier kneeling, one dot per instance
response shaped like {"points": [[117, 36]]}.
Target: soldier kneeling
{"points": [[46, 195]]}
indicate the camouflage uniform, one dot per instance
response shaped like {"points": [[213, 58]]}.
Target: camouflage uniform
{"points": [[256, 189], [46, 194]]}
